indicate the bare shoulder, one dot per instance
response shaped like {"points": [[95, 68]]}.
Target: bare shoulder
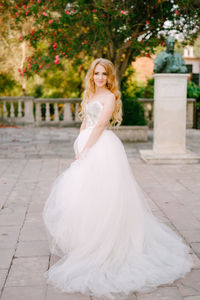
{"points": [[109, 99]]}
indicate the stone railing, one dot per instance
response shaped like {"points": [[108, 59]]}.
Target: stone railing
{"points": [[56, 112], [62, 111], [148, 104], [50, 111]]}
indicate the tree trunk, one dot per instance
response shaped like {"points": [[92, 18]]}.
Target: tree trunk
{"points": [[23, 80], [121, 59]]}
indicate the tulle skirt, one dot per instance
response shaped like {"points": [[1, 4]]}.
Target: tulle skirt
{"points": [[100, 224]]}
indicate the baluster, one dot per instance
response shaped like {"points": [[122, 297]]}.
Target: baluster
{"points": [[47, 112], [77, 119], [12, 113], [67, 113], [147, 107], [38, 112], [4, 110], [19, 108], [56, 115]]}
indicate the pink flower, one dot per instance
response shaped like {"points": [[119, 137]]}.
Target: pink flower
{"points": [[21, 38], [56, 61], [39, 1], [84, 42], [44, 14], [67, 12], [123, 12], [29, 66], [54, 46], [50, 21], [163, 43], [147, 22], [40, 66]]}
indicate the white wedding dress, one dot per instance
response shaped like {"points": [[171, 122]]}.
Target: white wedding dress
{"points": [[98, 221]]}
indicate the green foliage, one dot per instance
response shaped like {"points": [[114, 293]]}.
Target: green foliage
{"points": [[65, 82], [8, 85], [148, 89], [133, 111], [193, 90], [37, 91], [74, 28]]}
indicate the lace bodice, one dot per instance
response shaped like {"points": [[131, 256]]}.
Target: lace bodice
{"points": [[92, 112]]}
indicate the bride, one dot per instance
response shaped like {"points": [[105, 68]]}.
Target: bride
{"points": [[96, 216]]}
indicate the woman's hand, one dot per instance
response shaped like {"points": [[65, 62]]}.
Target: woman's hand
{"points": [[81, 154]]}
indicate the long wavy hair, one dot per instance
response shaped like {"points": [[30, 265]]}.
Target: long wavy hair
{"points": [[111, 85]]}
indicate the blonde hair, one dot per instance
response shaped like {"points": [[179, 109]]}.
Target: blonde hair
{"points": [[112, 86]]}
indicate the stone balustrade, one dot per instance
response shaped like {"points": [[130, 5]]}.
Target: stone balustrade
{"points": [[63, 111], [148, 104], [56, 112], [46, 111]]}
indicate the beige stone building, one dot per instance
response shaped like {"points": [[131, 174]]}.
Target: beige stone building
{"points": [[193, 64]]}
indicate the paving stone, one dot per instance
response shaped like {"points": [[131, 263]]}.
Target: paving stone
{"points": [[32, 248], [8, 236], [196, 248], [162, 293], [53, 259], [35, 207], [3, 274], [33, 218], [54, 294], [6, 256], [192, 236], [30, 160], [192, 298], [24, 293], [196, 261], [33, 232], [11, 216], [190, 285], [28, 271]]}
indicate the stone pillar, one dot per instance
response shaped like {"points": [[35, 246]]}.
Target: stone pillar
{"points": [[28, 110], [170, 93], [190, 113], [169, 145]]}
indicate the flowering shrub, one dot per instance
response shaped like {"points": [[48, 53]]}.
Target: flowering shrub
{"points": [[119, 31]]}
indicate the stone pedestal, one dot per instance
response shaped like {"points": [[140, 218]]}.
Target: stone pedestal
{"points": [[169, 146]]}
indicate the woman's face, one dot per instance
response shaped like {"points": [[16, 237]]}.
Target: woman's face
{"points": [[100, 76]]}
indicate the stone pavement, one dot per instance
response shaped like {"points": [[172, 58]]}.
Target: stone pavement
{"points": [[31, 158]]}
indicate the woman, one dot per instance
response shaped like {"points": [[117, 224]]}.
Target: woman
{"points": [[96, 216]]}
